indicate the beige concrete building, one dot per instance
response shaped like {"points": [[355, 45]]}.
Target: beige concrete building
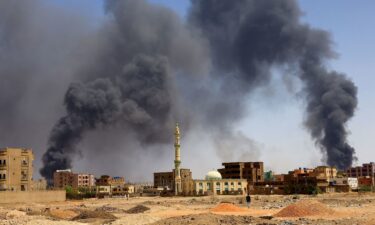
{"points": [[83, 180], [213, 184], [64, 178], [112, 186], [324, 172], [16, 169]]}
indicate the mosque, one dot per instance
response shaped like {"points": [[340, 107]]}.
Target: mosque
{"points": [[180, 182]]}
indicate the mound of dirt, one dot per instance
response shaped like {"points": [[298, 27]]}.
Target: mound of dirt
{"points": [[62, 214], [137, 209], [227, 207], [305, 208], [87, 214], [15, 214]]}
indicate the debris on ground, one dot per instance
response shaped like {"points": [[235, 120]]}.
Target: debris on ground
{"points": [[88, 214], [137, 209], [107, 208]]}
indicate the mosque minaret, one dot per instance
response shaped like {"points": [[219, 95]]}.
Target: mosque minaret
{"points": [[177, 160]]}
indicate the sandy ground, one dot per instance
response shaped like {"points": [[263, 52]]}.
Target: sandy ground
{"points": [[349, 208]]}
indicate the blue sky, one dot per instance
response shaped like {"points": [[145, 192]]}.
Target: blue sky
{"points": [[280, 131]]}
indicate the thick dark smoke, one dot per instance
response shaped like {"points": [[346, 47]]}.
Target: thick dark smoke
{"points": [[138, 98], [143, 68], [248, 38], [38, 54], [130, 82]]}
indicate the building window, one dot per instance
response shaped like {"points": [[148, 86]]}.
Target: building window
{"points": [[4, 162], [232, 183], [239, 183]]}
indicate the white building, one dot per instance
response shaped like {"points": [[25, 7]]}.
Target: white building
{"points": [[213, 184]]}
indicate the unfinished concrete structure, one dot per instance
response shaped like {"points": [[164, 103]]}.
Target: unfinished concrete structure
{"points": [[112, 186], [16, 169], [253, 172], [64, 178], [366, 170]]}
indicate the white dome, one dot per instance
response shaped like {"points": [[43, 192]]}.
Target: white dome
{"points": [[213, 175]]}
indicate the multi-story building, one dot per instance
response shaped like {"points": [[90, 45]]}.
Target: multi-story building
{"points": [[166, 180], [110, 186], [16, 169], [83, 180], [64, 178], [251, 171], [366, 170], [324, 172]]}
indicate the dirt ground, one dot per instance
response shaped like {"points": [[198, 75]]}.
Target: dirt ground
{"points": [[349, 208]]}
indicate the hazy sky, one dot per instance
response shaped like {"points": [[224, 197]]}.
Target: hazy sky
{"points": [[275, 123]]}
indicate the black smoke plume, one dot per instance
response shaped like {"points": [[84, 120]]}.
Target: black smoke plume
{"points": [[143, 53], [138, 98], [129, 82], [248, 38]]}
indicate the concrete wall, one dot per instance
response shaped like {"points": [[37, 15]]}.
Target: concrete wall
{"points": [[31, 196]]}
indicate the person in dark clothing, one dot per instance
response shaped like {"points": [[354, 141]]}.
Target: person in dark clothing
{"points": [[248, 200]]}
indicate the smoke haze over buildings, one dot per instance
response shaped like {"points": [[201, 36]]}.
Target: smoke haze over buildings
{"points": [[144, 68]]}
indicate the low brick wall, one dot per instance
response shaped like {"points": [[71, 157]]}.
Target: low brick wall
{"points": [[32, 196]]}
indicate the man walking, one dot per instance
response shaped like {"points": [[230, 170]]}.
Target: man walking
{"points": [[248, 200]]}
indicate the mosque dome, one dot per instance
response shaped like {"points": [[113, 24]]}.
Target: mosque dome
{"points": [[213, 175]]}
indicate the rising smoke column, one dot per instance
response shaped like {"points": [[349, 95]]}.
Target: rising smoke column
{"points": [[247, 38], [143, 53], [137, 98], [129, 82]]}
